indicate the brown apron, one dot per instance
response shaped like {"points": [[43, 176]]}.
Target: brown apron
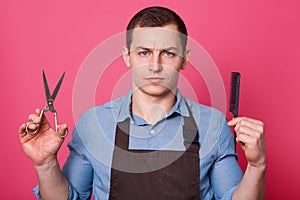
{"points": [[153, 175]]}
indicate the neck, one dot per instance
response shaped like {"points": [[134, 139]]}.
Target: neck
{"points": [[152, 108]]}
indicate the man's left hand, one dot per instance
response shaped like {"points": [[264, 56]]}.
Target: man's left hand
{"points": [[250, 135]]}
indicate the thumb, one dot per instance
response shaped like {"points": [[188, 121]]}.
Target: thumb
{"points": [[62, 131], [232, 122]]}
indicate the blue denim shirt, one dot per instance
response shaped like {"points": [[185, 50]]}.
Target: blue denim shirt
{"points": [[88, 165]]}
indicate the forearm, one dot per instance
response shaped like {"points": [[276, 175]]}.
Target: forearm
{"points": [[52, 183], [252, 186]]}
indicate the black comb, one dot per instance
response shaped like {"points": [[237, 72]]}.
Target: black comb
{"points": [[234, 96]]}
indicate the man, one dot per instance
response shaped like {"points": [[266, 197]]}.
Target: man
{"points": [[165, 146]]}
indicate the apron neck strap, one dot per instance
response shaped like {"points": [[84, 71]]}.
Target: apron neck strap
{"points": [[190, 131]]}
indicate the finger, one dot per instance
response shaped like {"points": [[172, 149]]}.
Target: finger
{"points": [[62, 130], [22, 128], [32, 126], [38, 111], [236, 120], [243, 131], [24, 136], [34, 118], [245, 123], [245, 139], [249, 142], [34, 122], [37, 119]]}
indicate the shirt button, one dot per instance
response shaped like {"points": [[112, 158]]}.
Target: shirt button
{"points": [[152, 132]]}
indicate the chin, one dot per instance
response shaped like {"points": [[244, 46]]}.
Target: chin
{"points": [[157, 90]]}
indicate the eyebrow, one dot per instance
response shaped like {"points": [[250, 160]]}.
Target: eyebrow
{"points": [[163, 49]]}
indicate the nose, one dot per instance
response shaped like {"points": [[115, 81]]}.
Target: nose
{"points": [[155, 64]]}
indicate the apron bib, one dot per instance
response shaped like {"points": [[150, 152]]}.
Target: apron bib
{"points": [[159, 174]]}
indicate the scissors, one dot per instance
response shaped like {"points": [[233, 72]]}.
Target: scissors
{"points": [[49, 107]]}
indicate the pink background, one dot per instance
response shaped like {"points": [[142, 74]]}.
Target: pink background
{"points": [[258, 38]]}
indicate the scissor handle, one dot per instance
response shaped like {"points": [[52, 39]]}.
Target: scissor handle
{"points": [[56, 127], [38, 125]]}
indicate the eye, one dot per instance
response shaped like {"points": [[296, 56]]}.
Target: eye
{"points": [[144, 53], [169, 54]]}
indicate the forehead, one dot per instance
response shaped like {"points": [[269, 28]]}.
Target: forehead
{"points": [[156, 37]]}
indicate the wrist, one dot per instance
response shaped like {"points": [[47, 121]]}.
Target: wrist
{"points": [[47, 164], [259, 167]]}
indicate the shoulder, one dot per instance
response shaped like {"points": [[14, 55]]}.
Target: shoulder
{"points": [[205, 113], [100, 120], [109, 110]]}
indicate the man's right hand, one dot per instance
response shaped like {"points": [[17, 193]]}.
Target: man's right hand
{"points": [[43, 146]]}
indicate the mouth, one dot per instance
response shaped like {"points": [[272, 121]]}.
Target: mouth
{"points": [[154, 79]]}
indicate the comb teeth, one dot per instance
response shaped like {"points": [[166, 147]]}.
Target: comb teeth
{"points": [[234, 93]]}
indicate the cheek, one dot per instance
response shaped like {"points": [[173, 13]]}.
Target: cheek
{"points": [[175, 63], [173, 74], [138, 72], [136, 61], [172, 68]]}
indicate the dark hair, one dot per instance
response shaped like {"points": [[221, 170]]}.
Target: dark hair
{"points": [[156, 16]]}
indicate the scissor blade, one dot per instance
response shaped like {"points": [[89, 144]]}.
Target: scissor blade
{"points": [[53, 96], [46, 87]]}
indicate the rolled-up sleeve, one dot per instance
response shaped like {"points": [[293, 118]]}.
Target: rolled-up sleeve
{"points": [[225, 173]]}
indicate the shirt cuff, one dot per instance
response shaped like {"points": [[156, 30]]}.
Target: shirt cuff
{"points": [[72, 193]]}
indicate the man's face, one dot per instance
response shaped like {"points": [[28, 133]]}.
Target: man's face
{"points": [[155, 59]]}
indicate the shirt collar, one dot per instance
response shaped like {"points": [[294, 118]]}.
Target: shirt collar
{"points": [[180, 106], [125, 107]]}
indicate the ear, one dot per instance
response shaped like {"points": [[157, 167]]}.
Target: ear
{"points": [[125, 53], [186, 58]]}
